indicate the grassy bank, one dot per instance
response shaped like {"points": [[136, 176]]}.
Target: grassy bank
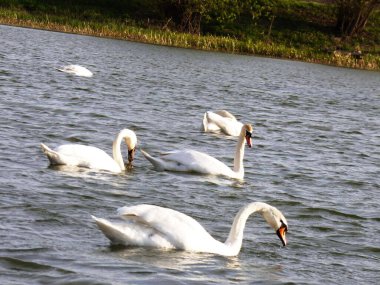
{"points": [[290, 40]]}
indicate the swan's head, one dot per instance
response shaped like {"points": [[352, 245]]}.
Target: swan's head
{"points": [[247, 133], [277, 221], [130, 139], [131, 143]]}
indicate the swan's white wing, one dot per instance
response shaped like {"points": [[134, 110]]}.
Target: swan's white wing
{"points": [[196, 161], [226, 124], [208, 126], [232, 128], [76, 70], [190, 161], [86, 156], [225, 114], [178, 229], [132, 234]]}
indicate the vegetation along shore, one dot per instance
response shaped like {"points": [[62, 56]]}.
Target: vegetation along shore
{"points": [[337, 32]]}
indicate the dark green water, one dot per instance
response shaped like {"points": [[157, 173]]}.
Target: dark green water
{"points": [[315, 156]]}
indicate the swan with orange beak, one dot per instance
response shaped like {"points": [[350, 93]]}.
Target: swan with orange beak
{"points": [[199, 162]]}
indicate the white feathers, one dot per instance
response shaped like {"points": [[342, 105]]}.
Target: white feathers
{"points": [[198, 162], [76, 70], [221, 121], [93, 157], [154, 226]]}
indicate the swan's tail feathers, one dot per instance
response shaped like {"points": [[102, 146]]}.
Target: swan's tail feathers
{"points": [[111, 231], [45, 148], [210, 122], [157, 163], [53, 156]]}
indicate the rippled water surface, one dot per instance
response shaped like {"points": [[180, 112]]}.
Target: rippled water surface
{"points": [[315, 156]]}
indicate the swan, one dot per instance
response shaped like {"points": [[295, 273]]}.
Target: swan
{"points": [[154, 226], [199, 162], [93, 157], [76, 70], [223, 121]]}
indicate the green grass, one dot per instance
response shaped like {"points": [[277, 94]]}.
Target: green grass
{"points": [[294, 36]]}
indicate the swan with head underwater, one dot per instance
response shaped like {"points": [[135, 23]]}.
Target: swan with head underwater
{"points": [[221, 121], [158, 227], [199, 162], [93, 157], [76, 70]]}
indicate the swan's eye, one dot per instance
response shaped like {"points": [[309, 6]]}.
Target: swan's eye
{"points": [[248, 134]]}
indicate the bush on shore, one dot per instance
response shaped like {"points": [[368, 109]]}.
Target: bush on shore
{"points": [[291, 35]]}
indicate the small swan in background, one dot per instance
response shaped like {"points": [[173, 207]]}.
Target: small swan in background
{"points": [[93, 157], [199, 162], [76, 70], [154, 226], [221, 121]]}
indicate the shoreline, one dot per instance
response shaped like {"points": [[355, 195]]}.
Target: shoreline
{"points": [[197, 42]]}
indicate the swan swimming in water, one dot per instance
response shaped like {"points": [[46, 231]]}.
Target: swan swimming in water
{"points": [[158, 227], [221, 121], [199, 162], [93, 157], [76, 70]]}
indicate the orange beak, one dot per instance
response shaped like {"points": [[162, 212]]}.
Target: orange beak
{"points": [[281, 233], [249, 141]]}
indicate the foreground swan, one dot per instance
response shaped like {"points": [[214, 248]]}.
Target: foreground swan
{"points": [[92, 157], [199, 162], [153, 226], [222, 121], [76, 70]]}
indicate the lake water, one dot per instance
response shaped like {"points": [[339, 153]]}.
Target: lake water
{"points": [[315, 156]]}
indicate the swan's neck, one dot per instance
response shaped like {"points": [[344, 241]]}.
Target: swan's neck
{"points": [[116, 152], [235, 238], [129, 136], [239, 155]]}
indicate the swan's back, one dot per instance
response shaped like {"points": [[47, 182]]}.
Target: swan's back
{"points": [[83, 152], [223, 121], [81, 156], [132, 234], [76, 70], [180, 230], [190, 161]]}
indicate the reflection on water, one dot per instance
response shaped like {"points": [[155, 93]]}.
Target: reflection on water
{"points": [[169, 259], [315, 157]]}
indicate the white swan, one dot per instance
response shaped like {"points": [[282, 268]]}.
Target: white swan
{"points": [[92, 157], [223, 121], [153, 226], [76, 70], [199, 162]]}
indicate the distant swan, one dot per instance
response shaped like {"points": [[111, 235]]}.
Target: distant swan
{"points": [[76, 70], [223, 121], [92, 157], [199, 162], [153, 226]]}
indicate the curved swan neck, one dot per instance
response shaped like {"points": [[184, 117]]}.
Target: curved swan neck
{"points": [[130, 139], [235, 237], [239, 155]]}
